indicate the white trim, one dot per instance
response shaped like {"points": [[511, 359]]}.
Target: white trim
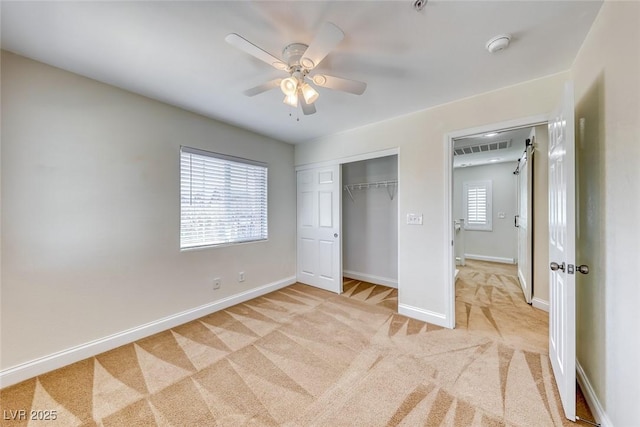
{"points": [[540, 304], [490, 258], [449, 232], [432, 317], [524, 122], [24, 371], [350, 159], [592, 399], [378, 280], [449, 237]]}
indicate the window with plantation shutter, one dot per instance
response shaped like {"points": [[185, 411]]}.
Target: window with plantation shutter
{"points": [[223, 199], [477, 200]]}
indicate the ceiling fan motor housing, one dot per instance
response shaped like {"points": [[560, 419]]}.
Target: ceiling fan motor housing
{"points": [[293, 53]]}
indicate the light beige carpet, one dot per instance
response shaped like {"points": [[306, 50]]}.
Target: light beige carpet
{"points": [[303, 357]]}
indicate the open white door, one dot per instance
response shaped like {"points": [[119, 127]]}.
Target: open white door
{"points": [[562, 322], [318, 236], [524, 220]]}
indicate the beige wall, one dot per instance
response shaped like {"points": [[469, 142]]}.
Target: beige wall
{"points": [[422, 250], [90, 212], [606, 75]]}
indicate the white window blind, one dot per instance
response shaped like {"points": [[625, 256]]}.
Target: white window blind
{"points": [[223, 199], [477, 199]]}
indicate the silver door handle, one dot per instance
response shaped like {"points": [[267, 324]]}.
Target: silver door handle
{"points": [[515, 221], [584, 269], [555, 266]]}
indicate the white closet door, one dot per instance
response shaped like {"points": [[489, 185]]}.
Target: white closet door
{"points": [[319, 247]]}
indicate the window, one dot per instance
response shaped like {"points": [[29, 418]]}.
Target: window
{"points": [[477, 204], [223, 199]]}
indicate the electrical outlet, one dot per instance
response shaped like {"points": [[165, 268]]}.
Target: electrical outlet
{"points": [[241, 276], [414, 219], [216, 283]]}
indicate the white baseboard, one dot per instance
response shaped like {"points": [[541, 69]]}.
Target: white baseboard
{"points": [[490, 258], [24, 371], [377, 280], [540, 304], [422, 314], [590, 396]]}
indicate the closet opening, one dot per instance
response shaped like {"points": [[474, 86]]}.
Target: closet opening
{"points": [[370, 230]]}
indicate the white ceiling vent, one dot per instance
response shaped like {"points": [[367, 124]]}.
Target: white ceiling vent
{"points": [[482, 148]]}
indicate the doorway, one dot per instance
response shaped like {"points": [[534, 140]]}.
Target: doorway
{"points": [[474, 217], [493, 185]]}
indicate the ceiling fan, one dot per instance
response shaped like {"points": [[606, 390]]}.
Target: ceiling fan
{"points": [[299, 60]]}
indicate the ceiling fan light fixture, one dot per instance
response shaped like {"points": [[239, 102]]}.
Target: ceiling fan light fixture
{"points": [[291, 100], [289, 86], [310, 94], [298, 60]]}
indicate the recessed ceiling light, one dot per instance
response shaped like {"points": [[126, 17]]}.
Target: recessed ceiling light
{"points": [[490, 134], [498, 43], [495, 159]]}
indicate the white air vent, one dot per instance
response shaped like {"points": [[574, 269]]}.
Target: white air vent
{"points": [[482, 148]]}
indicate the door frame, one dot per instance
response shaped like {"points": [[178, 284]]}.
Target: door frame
{"points": [[350, 159], [449, 231], [526, 283]]}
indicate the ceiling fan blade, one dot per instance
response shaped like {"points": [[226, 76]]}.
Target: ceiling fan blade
{"points": [[271, 84], [337, 83], [253, 50], [325, 40], [307, 109]]}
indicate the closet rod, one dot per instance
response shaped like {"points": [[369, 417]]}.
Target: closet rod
{"points": [[389, 185]]}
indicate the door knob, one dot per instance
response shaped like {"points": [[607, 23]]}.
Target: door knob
{"points": [[555, 266], [584, 269], [335, 234]]}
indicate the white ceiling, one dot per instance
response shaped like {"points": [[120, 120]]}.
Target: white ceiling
{"points": [[175, 52]]}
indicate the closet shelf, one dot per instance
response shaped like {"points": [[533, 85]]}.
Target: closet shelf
{"points": [[389, 185]]}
